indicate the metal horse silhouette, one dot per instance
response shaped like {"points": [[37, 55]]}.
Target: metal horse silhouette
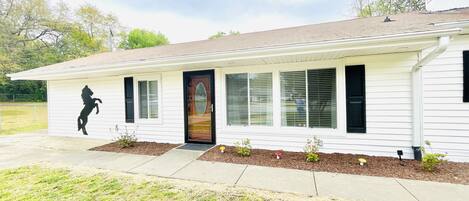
{"points": [[90, 104]]}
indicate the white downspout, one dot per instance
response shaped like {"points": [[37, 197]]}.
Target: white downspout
{"points": [[417, 94]]}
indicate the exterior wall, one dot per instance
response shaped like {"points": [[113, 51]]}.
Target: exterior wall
{"points": [[446, 117], [388, 102], [388, 107], [65, 105]]}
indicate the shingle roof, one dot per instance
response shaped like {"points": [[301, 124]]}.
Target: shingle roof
{"points": [[331, 31]]}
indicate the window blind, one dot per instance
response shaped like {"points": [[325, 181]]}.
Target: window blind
{"points": [[153, 99], [293, 98], [260, 98], [237, 99], [322, 98], [148, 99], [143, 99]]}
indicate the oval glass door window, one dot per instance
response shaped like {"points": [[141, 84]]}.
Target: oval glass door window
{"points": [[200, 99]]}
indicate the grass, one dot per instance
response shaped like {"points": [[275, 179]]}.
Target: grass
{"points": [[22, 117], [40, 183]]}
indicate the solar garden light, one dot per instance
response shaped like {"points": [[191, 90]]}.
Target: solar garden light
{"points": [[362, 161], [400, 153], [222, 149]]}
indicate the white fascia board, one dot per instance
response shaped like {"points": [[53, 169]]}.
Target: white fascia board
{"points": [[291, 49], [458, 24]]}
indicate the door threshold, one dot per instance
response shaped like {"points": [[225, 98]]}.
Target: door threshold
{"points": [[196, 146]]}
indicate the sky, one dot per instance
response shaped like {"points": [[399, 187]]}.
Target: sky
{"points": [[190, 20]]}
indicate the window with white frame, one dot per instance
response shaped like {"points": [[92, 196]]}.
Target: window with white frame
{"points": [[148, 99], [308, 98], [249, 99]]}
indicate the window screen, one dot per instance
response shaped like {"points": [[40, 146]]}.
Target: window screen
{"points": [[237, 99], [260, 98], [249, 99], [293, 98], [148, 99]]}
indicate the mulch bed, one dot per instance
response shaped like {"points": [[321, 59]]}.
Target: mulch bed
{"points": [[450, 172], [143, 148]]}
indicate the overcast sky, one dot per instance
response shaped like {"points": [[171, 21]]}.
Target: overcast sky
{"points": [[190, 20]]}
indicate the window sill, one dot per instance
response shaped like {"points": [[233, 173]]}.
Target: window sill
{"points": [[149, 121], [271, 130]]}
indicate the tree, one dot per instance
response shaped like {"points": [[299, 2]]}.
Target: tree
{"points": [[368, 8], [139, 38], [34, 34], [221, 34], [98, 25]]}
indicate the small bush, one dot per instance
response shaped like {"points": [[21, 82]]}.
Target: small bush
{"points": [[125, 138], [311, 149], [243, 148], [431, 160], [312, 157]]}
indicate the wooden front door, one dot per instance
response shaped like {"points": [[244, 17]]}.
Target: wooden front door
{"points": [[199, 103]]}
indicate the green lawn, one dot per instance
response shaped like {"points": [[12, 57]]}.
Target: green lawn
{"points": [[40, 183], [22, 117]]}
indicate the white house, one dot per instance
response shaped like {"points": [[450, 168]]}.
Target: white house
{"points": [[366, 86]]}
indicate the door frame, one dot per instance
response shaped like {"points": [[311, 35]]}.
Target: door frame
{"points": [[186, 76]]}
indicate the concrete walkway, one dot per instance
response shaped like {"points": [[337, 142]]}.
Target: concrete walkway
{"points": [[20, 150]]}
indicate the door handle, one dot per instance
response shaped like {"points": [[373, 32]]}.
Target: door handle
{"points": [[211, 106]]}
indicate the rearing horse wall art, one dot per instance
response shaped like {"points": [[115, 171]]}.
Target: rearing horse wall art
{"points": [[90, 104]]}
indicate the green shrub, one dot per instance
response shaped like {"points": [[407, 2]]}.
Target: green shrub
{"points": [[311, 149], [431, 160], [125, 138], [243, 148], [312, 157]]}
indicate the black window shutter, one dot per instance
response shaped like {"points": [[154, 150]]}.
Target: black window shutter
{"points": [[466, 76], [129, 99], [355, 92]]}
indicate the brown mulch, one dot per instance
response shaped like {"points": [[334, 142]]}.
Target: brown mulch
{"points": [[450, 172], [143, 148]]}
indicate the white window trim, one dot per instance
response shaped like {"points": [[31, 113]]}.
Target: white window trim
{"points": [[275, 69], [139, 120]]}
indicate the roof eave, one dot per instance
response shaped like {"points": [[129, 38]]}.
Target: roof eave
{"points": [[263, 52]]}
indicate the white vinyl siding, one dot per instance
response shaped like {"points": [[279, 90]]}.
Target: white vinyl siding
{"points": [[388, 97], [388, 106], [446, 116], [65, 104]]}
